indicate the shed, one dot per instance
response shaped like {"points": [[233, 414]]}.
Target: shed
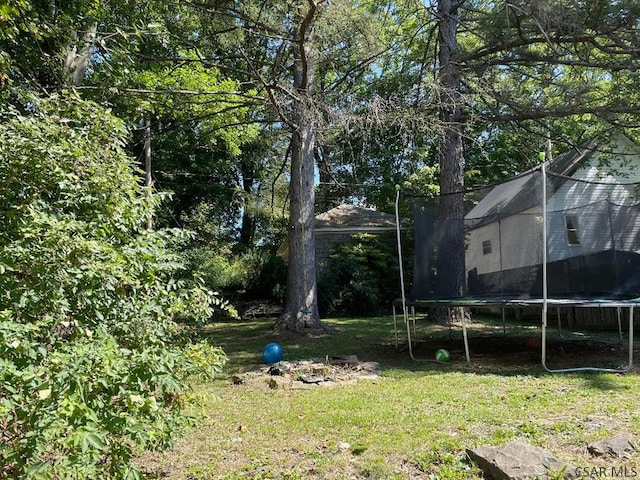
{"points": [[339, 224]]}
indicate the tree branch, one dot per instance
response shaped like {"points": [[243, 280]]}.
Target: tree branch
{"points": [[305, 28], [144, 91]]}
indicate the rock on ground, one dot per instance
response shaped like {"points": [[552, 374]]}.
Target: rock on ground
{"points": [[517, 461], [612, 446]]}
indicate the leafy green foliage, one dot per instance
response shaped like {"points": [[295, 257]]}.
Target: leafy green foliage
{"points": [[257, 274], [359, 278], [272, 281], [92, 358], [225, 272]]}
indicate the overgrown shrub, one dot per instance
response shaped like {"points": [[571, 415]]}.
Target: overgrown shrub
{"points": [[233, 273], [253, 275], [271, 283], [92, 357], [361, 278]]}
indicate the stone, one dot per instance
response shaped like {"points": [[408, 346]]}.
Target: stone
{"points": [[518, 461], [371, 367], [280, 368], [612, 447], [344, 446], [312, 379], [278, 383], [344, 360]]}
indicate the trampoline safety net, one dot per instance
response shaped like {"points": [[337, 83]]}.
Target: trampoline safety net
{"points": [[584, 223]]}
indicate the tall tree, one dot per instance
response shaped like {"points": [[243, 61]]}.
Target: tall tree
{"points": [[524, 65], [301, 305], [295, 55], [451, 269], [148, 62]]}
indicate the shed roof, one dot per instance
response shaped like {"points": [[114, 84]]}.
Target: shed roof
{"points": [[351, 216], [348, 219]]}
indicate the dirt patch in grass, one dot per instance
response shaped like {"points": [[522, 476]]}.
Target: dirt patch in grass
{"points": [[337, 370]]}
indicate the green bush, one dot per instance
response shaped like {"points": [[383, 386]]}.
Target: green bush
{"points": [[271, 283], [92, 356], [361, 278], [226, 272], [256, 274]]}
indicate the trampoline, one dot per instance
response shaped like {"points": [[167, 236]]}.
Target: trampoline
{"points": [[563, 235]]}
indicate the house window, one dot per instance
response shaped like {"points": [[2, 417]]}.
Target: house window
{"points": [[486, 247], [571, 222]]}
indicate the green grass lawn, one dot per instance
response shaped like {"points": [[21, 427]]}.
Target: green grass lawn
{"points": [[413, 422]]}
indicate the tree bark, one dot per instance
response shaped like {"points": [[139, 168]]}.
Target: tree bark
{"points": [[324, 194], [248, 225], [148, 175], [301, 306], [451, 264], [76, 63]]}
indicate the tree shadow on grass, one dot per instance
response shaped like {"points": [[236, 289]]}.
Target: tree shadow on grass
{"points": [[493, 352]]}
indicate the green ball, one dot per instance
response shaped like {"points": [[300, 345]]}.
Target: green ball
{"points": [[442, 355]]}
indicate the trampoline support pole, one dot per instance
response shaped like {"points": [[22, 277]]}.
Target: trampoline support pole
{"points": [[559, 323], [395, 324], [545, 302], [630, 338], [593, 369], [504, 322], [405, 314], [465, 339], [409, 341], [544, 266], [620, 324]]}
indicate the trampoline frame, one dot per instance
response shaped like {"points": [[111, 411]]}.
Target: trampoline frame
{"points": [[545, 302], [409, 315]]}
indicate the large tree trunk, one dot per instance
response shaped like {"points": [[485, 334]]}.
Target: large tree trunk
{"points": [[451, 265], [324, 193], [76, 62], [248, 225], [301, 307]]}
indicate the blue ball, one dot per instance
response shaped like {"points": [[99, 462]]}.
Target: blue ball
{"points": [[272, 353]]}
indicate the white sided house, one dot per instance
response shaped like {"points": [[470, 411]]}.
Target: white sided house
{"points": [[593, 227]]}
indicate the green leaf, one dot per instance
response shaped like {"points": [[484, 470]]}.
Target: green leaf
{"points": [[93, 300], [132, 473], [93, 440], [39, 471]]}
